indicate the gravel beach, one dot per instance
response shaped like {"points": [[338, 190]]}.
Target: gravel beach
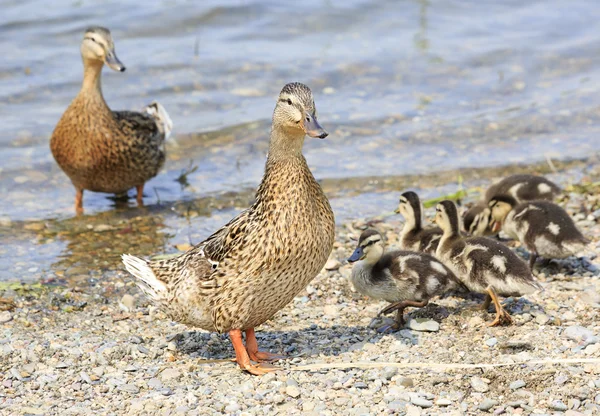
{"points": [[104, 349]]}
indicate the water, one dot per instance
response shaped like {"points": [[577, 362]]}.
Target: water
{"points": [[404, 87]]}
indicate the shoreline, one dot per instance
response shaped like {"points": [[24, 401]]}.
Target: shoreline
{"points": [[101, 347]]}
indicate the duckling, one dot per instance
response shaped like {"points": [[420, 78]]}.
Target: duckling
{"points": [[543, 227], [482, 264], [404, 278], [253, 266], [522, 187], [413, 236], [102, 150]]}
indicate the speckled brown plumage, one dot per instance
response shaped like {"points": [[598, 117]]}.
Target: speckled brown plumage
{"points": [[253, 266], [102, 150]]}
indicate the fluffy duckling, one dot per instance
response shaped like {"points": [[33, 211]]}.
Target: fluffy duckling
{"points": [[102, 150], [522, 187], [543, 227], [252, 267], [413, 236], [403, 278], [482, 264]]}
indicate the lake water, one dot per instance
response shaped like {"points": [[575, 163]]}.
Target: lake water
{"points": [[404, 88]]}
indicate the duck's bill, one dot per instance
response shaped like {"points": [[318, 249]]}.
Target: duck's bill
{"points": [[496, 226], [313, 128], [113, 62], [356, 256]]}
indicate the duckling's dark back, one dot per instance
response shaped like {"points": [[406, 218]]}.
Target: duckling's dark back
{"points": [[524, 187]]}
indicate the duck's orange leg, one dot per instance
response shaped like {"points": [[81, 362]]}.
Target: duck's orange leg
{"points": [[140, 195], [255, 354], [242, 357], [78, 201], [502, 317]]}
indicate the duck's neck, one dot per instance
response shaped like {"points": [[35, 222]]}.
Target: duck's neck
{"points": [[451, 233], [91, 89], [285, 144]]}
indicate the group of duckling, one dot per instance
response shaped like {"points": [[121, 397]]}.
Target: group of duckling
{"points": [[254, 265], [436, 260]]}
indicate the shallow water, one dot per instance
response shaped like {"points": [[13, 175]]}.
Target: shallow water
{"points": [[412, 87]]}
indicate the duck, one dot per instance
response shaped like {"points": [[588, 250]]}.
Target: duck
{"points": [[253, 266], [403, 278], [522, 187], [101, 150], [483, 265], [413, 236], [543, 227]]}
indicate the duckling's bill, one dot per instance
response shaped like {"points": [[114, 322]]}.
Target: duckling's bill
{"points": [[358, 254]]}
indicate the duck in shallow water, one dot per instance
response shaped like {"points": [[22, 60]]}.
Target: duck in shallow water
{"points": [[482, 264], [252, 267], [102, 150]]}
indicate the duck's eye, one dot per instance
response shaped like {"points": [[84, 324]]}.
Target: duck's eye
{"points": [[289, 101]]}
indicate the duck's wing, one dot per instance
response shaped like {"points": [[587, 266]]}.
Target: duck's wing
{"points": [[139, 125]]}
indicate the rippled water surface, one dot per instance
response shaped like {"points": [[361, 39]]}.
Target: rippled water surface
{"points": [[404, 87]]}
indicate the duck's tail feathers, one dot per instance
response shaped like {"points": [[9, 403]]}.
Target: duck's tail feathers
{"points": [[163, 121], [147, 280]]}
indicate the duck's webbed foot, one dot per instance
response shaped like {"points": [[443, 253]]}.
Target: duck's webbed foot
{"points": [[399, 308], [242, 357], [502, 317], [255, 354]]}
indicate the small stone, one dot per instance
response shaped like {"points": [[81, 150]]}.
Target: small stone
{"points": [[170, 374], [332, 264], [62, 364], [443, 402], [542, 319], [491, 342], [127, 302], [405, 381], [424, 325], [85, 377], [420, 401], [517, 384], [396, 405], [32, 411], [232, 408], [479, 385], [292, 391], [558, 405], [154, 383], [5, 316], [475, 321], [591, 349], [487, 404], [577, 333], [389, 372], [129, 388]]}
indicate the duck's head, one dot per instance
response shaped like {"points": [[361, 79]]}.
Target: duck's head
{"points": [[446, 217], [499, 207], [295, 111], [370, 247], [97, 46], [409, 206], [476, 219]]}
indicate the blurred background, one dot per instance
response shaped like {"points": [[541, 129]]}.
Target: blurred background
{"points": [[412, 92]]}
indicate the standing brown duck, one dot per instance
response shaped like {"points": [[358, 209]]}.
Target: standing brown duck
{"points": [[252, 267], [102, 150]]}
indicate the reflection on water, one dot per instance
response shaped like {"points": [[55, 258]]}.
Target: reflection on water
{"points": [[406, 88]]}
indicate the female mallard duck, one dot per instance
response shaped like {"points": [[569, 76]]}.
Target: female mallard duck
{"points": [[102, 150], [404, 278], [252, 267], [522, 187], [413, 236], [543, 227], [482, 264]]}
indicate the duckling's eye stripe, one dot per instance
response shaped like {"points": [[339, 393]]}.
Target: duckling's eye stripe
{"points": [[370, 243]]}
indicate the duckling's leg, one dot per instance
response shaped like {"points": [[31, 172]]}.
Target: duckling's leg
{"points": [[399, 308], [78, 201], [255, 354], [140, 195], [242, 357], [486, 303], [532, 259], [502, 317]]}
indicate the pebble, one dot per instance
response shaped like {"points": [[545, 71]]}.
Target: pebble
{"points": [[558, 405], [491, 342], [129, 388], [479, 385], [5, 316], [420, 401], [170, 374], [127, 302], [292, 391], [487, 404], [443, 402], [577, 333], [405, 381], [542, 319], [517, 384], [332, 264], [389, 372], [424, 325]]}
